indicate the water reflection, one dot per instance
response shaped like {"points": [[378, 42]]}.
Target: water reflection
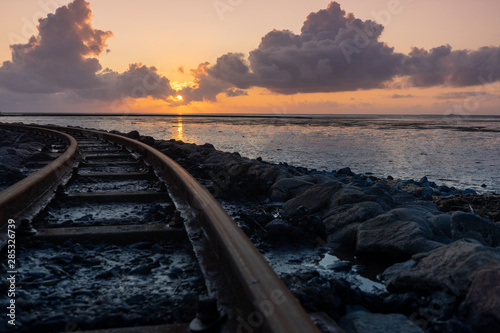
{"points": [[180, 129]]}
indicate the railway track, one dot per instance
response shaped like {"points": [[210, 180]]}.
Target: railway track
{"points": [[114, 236]]}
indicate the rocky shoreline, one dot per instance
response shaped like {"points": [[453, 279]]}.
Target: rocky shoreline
{"points": [[20, 153], [443, 260], [435, 249]]}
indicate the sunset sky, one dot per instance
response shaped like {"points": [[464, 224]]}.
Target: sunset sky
{"points": [[242, 56]]}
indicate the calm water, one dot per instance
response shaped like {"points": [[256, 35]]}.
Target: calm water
{"points": [[456, 151]]}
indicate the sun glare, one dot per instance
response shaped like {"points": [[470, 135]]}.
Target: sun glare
{"points": [[179, 98]]}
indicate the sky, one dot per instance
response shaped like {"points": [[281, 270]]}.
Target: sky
{"points": [[241, 56]]}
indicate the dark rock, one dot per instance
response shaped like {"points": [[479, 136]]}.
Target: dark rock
{"points": [[279, 230], [469, 191], [396, 235], [150, 141], [114, 272], [133, 135], [341, 216], [141, 245], [423, 180], [345, 172], [441, 227], [141, 270], [136, 299], [63, 259], [426, 193], [482, 305], [287, 188], [465, 225], [364, 322], [315, 199], [175, 272], [341, 266], [345, 237], [450, 268], [444, 188]]}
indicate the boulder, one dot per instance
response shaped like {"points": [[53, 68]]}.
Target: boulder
{"points": [[450, 268], [351, 195], [482, 305], [396, 235], [280, 230], [341, 216], [466, 225], [365, 322], [315, 199], [287, 188]]}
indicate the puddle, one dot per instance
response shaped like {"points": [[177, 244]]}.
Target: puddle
{"points": [[304, 260]]}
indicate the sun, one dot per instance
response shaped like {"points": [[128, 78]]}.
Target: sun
{"points": [[179, 98]]}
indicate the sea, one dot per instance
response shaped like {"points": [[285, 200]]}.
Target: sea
{"points": [[459, 151]]}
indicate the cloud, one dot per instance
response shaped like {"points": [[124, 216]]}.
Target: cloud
{"points": [[236, 92], [395, 96], [62, 58], [460, 68], [463, 95], [334, 52]]}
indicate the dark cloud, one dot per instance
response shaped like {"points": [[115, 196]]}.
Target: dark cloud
{"points": [[395, 96], [205, 88], [334, 52], [62, 58], [463, 95], [443, 66], [236, 92]]}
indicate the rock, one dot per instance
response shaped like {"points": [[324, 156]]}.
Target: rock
{"points": [[441, 226], [278, 230], [450, 268], [366, 322], [426, 193], [315, 199], [482, 304], [345, 237], [396, 235], [340, 266], [423, 180], [141, 270], [351, 195], [466, 225], [341, 216], [114, 272], [469, 191], [149, 140], [287, 188], [133, 135], [444, 189], [345, 172]]}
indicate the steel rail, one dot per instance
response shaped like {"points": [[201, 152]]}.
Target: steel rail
{"points": [[26, 197], [266, 303]]}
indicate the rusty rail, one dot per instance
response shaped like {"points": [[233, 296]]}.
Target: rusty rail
{"points": [[267, 304]]}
